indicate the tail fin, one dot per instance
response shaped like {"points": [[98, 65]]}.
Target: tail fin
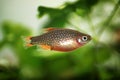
{"points": [[28, 42]]}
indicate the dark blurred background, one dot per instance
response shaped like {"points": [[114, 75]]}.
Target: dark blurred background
{"points": [[97, 60]]}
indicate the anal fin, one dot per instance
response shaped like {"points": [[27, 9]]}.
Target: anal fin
{"points": [[47, 47]]}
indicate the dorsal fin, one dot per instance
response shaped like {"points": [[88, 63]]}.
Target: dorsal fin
{"points": [[50, 29]]}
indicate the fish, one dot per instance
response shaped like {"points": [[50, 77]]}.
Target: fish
{"points": [[59, 39]]}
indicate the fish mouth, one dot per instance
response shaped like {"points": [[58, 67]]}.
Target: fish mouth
{"points": [[89, 38]]}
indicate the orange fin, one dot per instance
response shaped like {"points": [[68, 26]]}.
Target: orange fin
{"points": [[47, 47], [28, 42], [28, 38], [29, 45], [50, 29]]}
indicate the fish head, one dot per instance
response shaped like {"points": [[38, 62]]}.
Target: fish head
{"points": [[83, 39]]}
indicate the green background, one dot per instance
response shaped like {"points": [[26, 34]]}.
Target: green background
{"points": [[97, 60]]}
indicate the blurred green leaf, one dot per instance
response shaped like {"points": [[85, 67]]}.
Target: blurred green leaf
{"points": [[59, 17], [13, 32]]}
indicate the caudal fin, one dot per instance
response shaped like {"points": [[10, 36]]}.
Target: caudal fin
{"points": [[28, 41]]}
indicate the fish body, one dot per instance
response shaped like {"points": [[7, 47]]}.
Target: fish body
{"points": [[60, 39]]}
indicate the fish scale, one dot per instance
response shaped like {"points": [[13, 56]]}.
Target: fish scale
{"points": [[61, 39]]}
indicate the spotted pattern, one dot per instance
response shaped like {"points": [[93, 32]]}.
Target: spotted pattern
{"points": [[56, 37]]}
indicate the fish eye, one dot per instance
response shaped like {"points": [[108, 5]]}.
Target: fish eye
{"points": [[84, 38]]}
